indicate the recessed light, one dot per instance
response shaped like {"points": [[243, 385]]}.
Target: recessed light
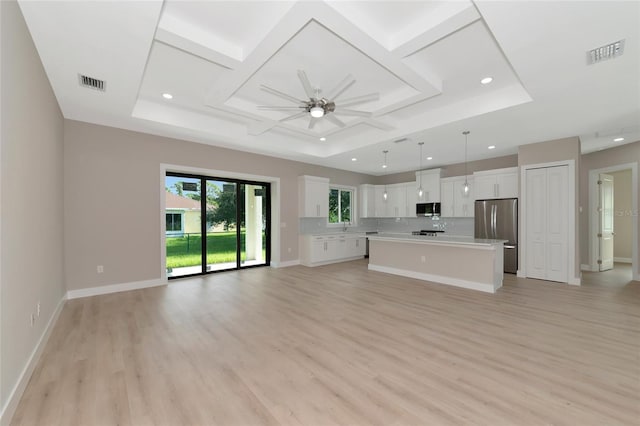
{"points": [[167, 95], [429, 158], [486, 80], [323, 139], [354, 159], [384, 166], [618, 139], [491, 147]]}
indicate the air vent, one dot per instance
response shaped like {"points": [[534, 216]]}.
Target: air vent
{"points": [[608, 51], [91, 83]]}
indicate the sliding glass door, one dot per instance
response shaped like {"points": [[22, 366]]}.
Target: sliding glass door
{"points": [[235, 224]]}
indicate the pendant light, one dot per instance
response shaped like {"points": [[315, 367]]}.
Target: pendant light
{"points": [[420, 191], [465, 187], [384, 166]]}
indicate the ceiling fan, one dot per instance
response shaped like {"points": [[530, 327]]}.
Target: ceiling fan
{"points": [[319, 106]]}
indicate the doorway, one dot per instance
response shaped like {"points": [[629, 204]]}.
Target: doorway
{"points": [[215, 224], [613, 233]]}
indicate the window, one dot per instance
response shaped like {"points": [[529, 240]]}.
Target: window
{"points": [[174, 222], [340, 205]]}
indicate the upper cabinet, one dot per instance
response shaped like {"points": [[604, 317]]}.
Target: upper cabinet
{"points": [[499, 183], [396, 203], [454, 201], [430, 185], [313, 196], [366, 201]]}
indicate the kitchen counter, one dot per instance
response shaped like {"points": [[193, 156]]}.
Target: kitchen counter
{"points": [[453, 260]]}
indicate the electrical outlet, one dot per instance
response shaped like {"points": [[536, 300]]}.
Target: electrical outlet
{"points": [[289, 250], [100, 269], [38, 309], [33, 319]]}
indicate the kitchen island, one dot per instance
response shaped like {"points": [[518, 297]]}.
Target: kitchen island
{"points": [[454, 260]]}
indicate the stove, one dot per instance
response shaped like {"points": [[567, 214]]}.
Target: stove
{"points": [[427, 232]]}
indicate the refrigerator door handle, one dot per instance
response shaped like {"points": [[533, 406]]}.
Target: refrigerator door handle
{"points": [[493, 221], [509, 247]]}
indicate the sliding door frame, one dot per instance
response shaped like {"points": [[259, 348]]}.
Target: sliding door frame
{"points": [[240, 206]]}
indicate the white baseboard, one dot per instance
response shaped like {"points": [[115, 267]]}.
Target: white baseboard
{"points": [[585, 267], [622, 259], [285, 264], [574, 281], [16, 393], [114, 288], [473, 285]]}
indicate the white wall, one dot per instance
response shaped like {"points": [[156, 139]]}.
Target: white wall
{"points": [[31, 206]]}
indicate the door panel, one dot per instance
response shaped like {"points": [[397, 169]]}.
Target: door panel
{"points": [[536, 223], [253, 216], [557, 223], [606, 222]]}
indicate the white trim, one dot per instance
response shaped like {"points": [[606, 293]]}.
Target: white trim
{"points": [[275, 205], [114, 288], [623, 259], [571, 234], [593, 223], [472, 285], [585, 267], [18, 390], [285, 264]]}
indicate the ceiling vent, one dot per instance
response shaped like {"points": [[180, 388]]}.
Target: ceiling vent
{"points": [[608, 51], [91, 83]]}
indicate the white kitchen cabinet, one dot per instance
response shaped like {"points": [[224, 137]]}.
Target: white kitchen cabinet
{"points": [[499, 183], [430, 185], [366, 200], [322, 249], [313, 196], [412, 198], [396, 203], [453, 201]]}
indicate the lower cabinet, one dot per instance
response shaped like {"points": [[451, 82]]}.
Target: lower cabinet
{"points": [[323, 249]]}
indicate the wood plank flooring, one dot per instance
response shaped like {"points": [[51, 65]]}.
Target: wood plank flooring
{"points": [[339, 344]]}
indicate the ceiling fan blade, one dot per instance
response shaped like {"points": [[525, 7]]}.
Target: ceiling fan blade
{"points": [[313, 122], [278, 108], [332, 118], [308, 89], [341, 87], [360, 99], [294, 116], [281, 94], [352, 112]]}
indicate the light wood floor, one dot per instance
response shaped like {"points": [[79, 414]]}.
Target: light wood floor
{"points": [[341, 345]]}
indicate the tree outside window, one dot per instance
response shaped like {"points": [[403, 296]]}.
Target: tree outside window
{"points": [[340, 205]]}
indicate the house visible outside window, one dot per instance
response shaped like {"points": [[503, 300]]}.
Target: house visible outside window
{"points": [[340, 205], [174, 222]]}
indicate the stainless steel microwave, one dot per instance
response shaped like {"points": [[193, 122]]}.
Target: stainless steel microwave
{"points": [[428, 209]]}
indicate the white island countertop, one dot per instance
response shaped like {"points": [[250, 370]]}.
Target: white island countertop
{"points": [[440, 239]]}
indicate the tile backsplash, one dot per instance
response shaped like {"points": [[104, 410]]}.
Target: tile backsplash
{"points": [[452, 225]]}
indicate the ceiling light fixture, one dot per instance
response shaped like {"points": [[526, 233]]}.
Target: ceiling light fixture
{"points": [[316, 111], [486, 80], [491, 147], [354, 159], [167, 95], [429, 158], [323, 139], [618, 139], [384, 166], [465, 187], [420, 192]]}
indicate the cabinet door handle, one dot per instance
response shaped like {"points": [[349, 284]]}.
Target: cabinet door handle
{"points": [[318, 209], [495, 189]]}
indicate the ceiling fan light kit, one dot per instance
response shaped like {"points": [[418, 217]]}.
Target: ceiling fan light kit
{"points": [[317, 106]]}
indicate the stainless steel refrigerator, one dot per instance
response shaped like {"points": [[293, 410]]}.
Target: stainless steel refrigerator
{"points": [[498, 220]]}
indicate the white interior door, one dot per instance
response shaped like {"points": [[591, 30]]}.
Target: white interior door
{"points": [[605, 212], [536, 259]]}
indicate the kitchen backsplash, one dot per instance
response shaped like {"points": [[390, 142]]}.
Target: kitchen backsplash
{"points": [[451, 226]]}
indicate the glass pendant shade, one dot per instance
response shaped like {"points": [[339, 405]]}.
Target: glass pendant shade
{"points": [[384, 166], [385, 195], [466, 189], [420, 192]]}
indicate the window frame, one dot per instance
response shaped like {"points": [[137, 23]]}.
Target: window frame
{"points": [[353, 208], [178, 212]]}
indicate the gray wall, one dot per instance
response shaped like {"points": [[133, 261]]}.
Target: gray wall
{"points": [[622, 218], [31, 198], [112, 198]]}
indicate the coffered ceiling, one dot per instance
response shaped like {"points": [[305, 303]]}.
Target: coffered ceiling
{"points": [[424, 59]]}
